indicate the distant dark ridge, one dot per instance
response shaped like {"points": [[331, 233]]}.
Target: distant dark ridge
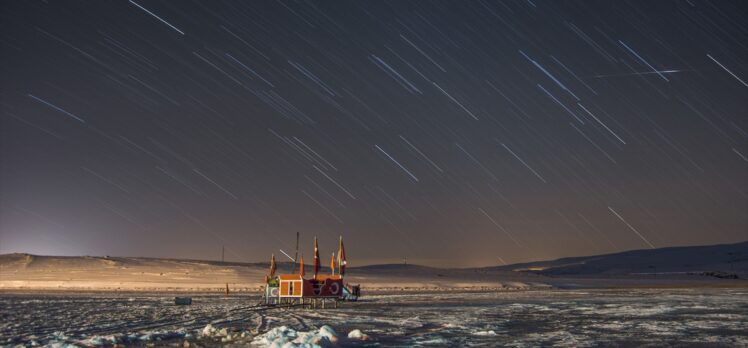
{"points": [[721, 257], [282, 267], [395, 267], [126, 259]]}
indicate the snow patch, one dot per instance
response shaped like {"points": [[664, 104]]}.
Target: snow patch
{"points": [[358, 335], [485, 333], [284, 336]]}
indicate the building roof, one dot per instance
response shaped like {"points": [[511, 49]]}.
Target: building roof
{"points": [[320, 277], [289, 277], [327, 276]]}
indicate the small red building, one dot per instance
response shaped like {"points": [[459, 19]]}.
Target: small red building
{"points": [[294, 288]]}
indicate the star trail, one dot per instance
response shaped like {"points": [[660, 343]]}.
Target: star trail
{"points": [[448, 132]]}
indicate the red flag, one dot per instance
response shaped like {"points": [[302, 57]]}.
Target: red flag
{"points": [[332, 264], [341, 258], [316, 258], [273, 266], [301, 267]]}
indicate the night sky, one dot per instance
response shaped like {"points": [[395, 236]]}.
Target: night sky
{"points": [[459, 133]]}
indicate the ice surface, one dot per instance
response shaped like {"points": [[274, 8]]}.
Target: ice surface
{"points": [[571, 318]]}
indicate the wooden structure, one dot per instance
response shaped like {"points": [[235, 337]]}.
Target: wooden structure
{"points": [[314, 292], [291, 286]]}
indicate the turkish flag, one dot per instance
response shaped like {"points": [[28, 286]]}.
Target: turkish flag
{"points": [[301, 266], [273, 266], [341, 257], [332, 263], [316, 258]]}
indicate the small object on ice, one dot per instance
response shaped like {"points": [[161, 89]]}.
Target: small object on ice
{"points": [[183, 301], [358, 335], [223, 332], [186, 344]]}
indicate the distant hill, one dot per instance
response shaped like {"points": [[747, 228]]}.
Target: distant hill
{"points": [[686, 266], [730, 258], [394, 267], [20, 271]]}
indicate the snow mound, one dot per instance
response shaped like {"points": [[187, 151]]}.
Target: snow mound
{"points": [[358, 335], [485, 333], [224, 334], [59, 339], [286, 337], [328, 332], [208, 330]]}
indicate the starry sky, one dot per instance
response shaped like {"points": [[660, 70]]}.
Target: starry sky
{"points": [[453, 133]]}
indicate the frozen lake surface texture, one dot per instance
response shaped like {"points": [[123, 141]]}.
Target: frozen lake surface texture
{"points": [[571, 318]]}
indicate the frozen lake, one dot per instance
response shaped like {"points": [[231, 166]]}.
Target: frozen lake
{"points": [[573, 318]]}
